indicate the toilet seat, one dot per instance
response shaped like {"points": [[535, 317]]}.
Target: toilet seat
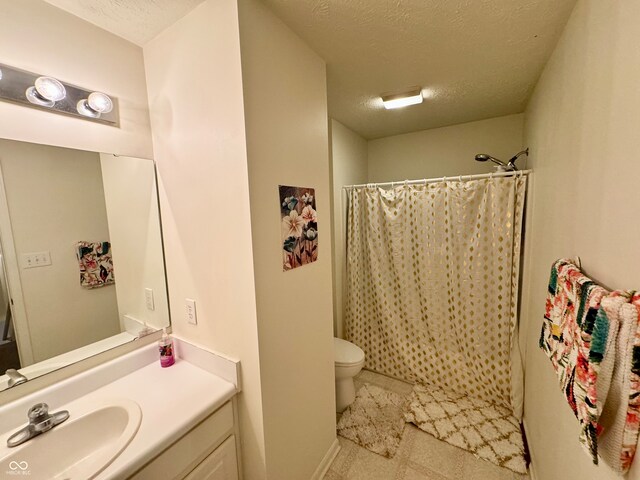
{"points": [[346, 353]]}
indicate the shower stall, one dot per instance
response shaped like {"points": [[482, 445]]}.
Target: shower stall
{"points": [[432, 270]]}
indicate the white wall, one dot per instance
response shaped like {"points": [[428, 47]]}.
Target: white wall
{"points": [[38, 37], [445, 151], [195, 98], [582, 128], [287, 143], [131, 202], [56, 199], [348, 167]]}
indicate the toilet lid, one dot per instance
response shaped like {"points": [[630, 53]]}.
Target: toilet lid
{"points": [[346, 353]]}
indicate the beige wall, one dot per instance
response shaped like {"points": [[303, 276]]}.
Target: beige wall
{"points": [[445, 151], [38, 37], [348, 167], [195, 99], [287, 144], [56, 199], [131, 201], [582, 127]]}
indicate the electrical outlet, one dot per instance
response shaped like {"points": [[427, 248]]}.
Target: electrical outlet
{"points": [[148, 298], [190, 305], [36, 259]]}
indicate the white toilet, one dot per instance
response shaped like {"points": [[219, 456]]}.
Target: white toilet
{"points": [[349, 359]]}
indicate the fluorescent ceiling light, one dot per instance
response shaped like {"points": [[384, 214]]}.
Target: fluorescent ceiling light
{"points": [[404, 99]]}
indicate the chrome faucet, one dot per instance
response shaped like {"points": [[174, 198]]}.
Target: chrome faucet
{"points": [[40, 421], [15, 377]]}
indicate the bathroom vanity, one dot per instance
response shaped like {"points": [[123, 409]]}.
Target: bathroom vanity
{"points": [[130, 418]]}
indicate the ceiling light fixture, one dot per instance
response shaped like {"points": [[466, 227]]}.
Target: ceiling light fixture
{"points": [[404, 99], [46, 91]]}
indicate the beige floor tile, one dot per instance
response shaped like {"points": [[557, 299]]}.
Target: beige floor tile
{"points": [[399, 387], [418, 474], [345, 457], [437, 456], [332, 475], [371, 466], [419, 457], [476, 469]]}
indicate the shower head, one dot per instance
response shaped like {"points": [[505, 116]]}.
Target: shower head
{"points": [[510, 165], [483, 157]]}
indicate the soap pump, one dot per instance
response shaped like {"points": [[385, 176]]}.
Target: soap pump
{"points": [[165, 345]]}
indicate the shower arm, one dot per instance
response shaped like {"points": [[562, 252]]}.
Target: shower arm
{"points": [[512, 160]]}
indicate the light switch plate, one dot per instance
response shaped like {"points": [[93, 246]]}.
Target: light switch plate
{"points": [[36, 259], [148, 298], [190, 310]]}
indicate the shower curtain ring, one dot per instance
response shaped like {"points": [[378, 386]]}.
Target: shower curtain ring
{"points": [[460, 178]]}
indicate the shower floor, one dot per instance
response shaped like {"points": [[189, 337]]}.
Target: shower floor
{"points": [[420, 456]]}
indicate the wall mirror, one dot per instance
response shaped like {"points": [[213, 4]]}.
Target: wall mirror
{"points": [[83, 265]]}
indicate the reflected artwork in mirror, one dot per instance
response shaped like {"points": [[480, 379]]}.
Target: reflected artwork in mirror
{"points": [[81, 249]]}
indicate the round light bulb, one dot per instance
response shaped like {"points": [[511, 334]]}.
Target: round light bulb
{"points": [[34, 97], [50, 88], [84, 109], [100, 102]]}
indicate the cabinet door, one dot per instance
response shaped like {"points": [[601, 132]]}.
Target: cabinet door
{"points": [[221, 464]]}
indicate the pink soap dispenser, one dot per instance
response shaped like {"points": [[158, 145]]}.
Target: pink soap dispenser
{"points": [[165, 345]]}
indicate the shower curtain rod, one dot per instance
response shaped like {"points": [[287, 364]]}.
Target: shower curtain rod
{"points": [[459, 178]]}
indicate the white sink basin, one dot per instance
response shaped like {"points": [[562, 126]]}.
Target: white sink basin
{"points": [[78, 449]]}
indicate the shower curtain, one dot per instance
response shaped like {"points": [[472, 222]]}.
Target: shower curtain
{"points": [[432, 284]]}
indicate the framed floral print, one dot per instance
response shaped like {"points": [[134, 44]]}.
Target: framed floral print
{"points": [[299, 222]]}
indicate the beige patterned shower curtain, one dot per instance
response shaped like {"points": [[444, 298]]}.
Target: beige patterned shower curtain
{"points": [[432, 283]]}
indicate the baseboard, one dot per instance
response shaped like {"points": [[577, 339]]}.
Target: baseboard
{"points": [[532, 469], [326, 461]]}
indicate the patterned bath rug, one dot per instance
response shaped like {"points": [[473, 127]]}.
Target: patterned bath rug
{"points": [[488, 431], [375, 420]]}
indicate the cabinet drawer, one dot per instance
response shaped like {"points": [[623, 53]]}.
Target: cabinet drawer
{"points": [[181, 457], [222, 464]]}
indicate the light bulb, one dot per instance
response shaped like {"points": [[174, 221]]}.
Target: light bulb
{"points": [[50, 88], [84, 109], [34, 97], [100, 102]]}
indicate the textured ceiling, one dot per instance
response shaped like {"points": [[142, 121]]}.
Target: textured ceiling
{"points": [[475, 58], [135, 20]]}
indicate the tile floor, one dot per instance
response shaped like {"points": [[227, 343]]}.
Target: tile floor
{"points": [[420, 456]]}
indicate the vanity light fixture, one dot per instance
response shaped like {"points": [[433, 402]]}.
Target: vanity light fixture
{"points": [[404, 99], [95, 105], [45, 92]]}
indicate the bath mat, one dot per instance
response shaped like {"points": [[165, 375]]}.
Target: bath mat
{"points": [[488, 431], [375, 420]]}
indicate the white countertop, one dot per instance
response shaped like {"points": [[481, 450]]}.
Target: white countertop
{"points": [[173, 400]]}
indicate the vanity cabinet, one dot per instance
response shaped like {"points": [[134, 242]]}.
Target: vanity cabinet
{"points": [[206, 452]]}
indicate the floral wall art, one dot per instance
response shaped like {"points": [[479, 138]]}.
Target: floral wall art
{"points": [[299, 222]]}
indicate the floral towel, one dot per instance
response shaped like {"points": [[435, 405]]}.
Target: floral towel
{"points": [[96, 264], [575, 337]]}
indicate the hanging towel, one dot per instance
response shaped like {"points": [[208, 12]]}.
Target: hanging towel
{"points": [[614, 415], [575, 337], [96, 264]]}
